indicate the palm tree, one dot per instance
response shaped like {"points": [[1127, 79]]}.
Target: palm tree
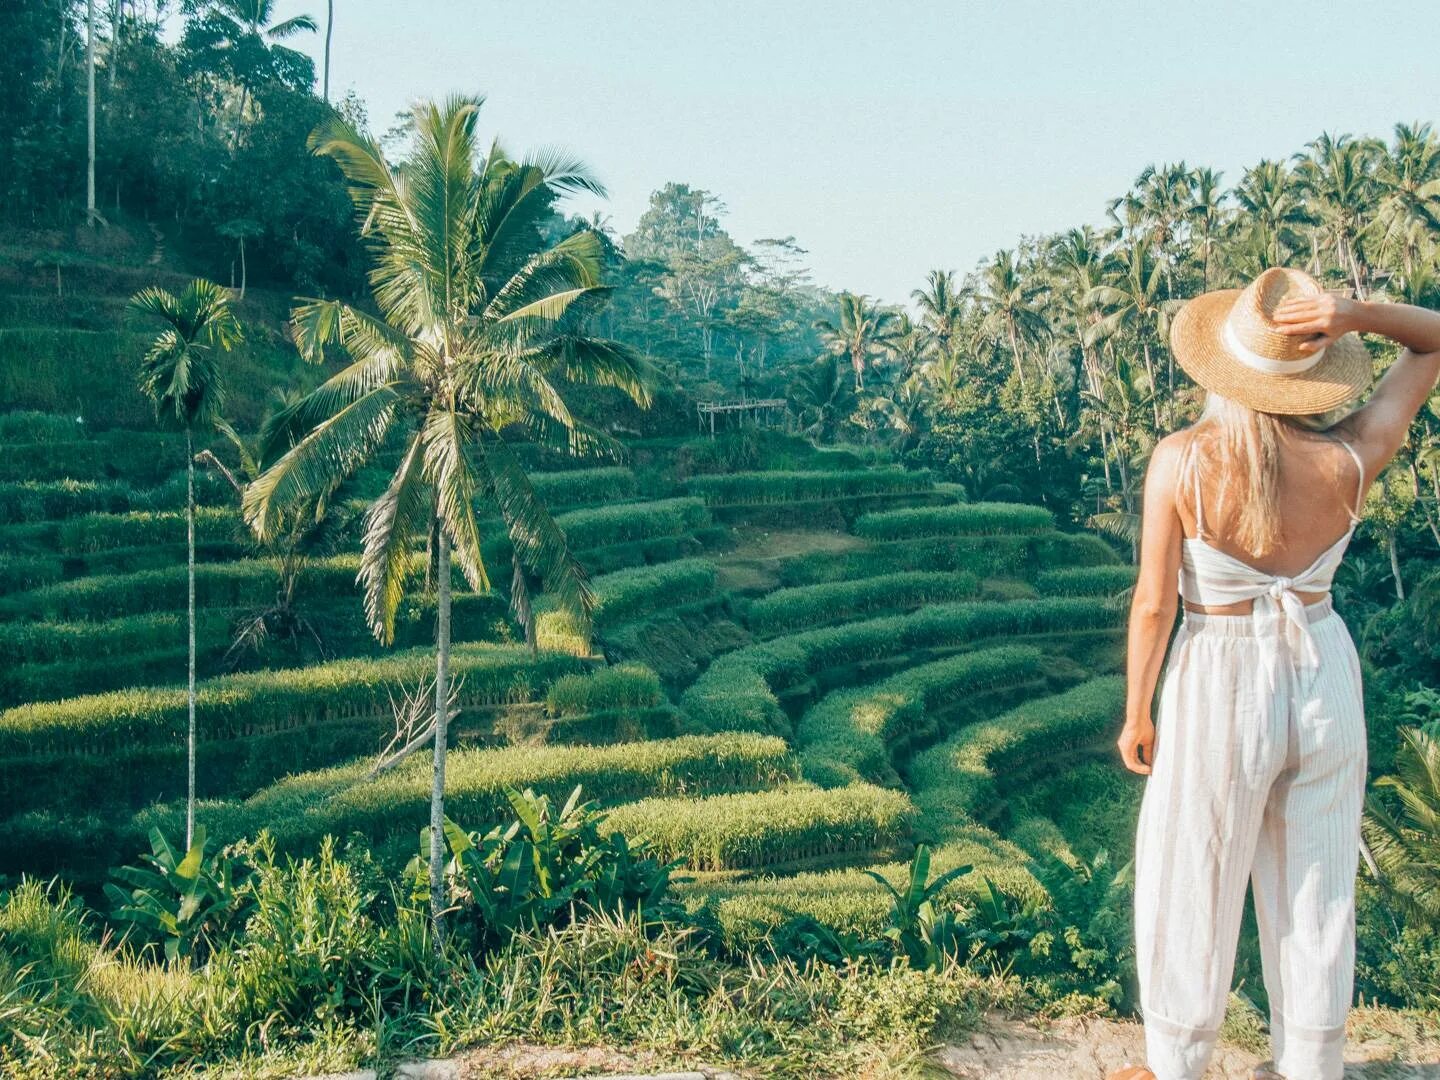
{"points": [[942, 305], [181, 376], [1133, 300], [1404, 831], [821, 398], [1338, 174], [866, 333], [1006, 297], [1272, 204], [249, 39], [1205, 211], [479, 323], [1408, 176]]}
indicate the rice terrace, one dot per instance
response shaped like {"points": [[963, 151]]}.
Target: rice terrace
{"points": [[439, 624]]}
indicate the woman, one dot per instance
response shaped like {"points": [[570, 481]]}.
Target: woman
{"points": [[1257, 764]]}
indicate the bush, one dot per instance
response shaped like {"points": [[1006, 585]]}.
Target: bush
{"points": [[32, 500], [964, 519], [860, 733], [760, 829], [138, 457], [737, 692], [301, 809], [816, 605], [984, 556], [1085, 580], [958, 781], [847, 899], [627, 595], [28, 426], [258, 703], [19, 573], [579, 487], [105, 532], [628, 686], [623, 523], [761, 488], [247, 582]]}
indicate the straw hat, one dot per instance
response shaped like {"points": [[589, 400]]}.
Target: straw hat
{"points": [[1227, 341]]}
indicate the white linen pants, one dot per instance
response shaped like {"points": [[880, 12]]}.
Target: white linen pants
{"points": [[1259, 772]]}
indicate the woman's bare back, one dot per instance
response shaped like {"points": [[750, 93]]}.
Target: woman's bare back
{"points": [[1320, 487]]}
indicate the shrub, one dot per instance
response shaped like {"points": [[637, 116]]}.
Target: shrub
{"points": [[737, 692], [34, 500], [19, 573], [247, 582], [958, 781], [579, 487], [104, 532], [139, 457], [761, 488], [28, 425], [760, 829], [964, 519], [816, 605], [984, 556], [257, 703], [627, 595], [628, 686], [301, 809], [1085, 580], [858, 734], [603, 526]]}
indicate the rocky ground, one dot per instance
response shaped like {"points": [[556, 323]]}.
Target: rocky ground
{"points": [[1381, 1046]]}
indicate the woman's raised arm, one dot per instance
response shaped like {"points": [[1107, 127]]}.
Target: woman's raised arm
{"points": [[1381, 424]]}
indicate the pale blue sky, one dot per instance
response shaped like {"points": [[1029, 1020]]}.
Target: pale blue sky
{"points": [[891, 138]]}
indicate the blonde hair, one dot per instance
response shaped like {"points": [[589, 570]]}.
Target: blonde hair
{"points": [[1246, 449]]}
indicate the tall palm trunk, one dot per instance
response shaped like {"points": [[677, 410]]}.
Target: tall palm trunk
{"points": [[90, 213], [1395, 565], [329, 28], [1015, 352], [442, 717], [190, 595], [1150, 372]]}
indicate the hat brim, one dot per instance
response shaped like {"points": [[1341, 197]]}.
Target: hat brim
{"points": [[1196, 339]]}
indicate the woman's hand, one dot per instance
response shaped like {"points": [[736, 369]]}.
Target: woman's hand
{"points": [[1137, 745], [1321, 319]]}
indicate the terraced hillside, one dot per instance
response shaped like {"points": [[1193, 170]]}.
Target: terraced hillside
{"points": [[792, 674]]}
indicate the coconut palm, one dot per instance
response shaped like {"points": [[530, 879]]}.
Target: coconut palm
{"points": [[821, 398], [1133, 300], [942, 306], [1205, 213], [866, 334], [1408, 175], [1402, 824], [1338, 174], [1007, 295], [1273, 206], [480, 324], [180, 374]]}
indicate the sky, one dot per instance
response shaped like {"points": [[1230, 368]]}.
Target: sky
{"points": [[893, 137]]}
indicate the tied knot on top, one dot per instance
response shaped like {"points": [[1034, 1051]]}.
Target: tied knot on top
{"points": [[1280, 586]]}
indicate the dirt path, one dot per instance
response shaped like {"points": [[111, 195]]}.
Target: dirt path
{"points": [[1380, 1047]]}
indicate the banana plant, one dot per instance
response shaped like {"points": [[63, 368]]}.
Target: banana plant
{"points": [[919, 929], [181, 902]]}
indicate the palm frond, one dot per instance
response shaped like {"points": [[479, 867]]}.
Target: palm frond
{"points": [[392, 525]]}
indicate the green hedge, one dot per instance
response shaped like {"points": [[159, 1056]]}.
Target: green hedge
{"points": [[627, 595], [602, 727], [626, 686], [759, 829], [1072, 549], [965, 519], [858, 734], [737, 692], [138, 457], [19, 573], [603, 526], [29, 426], [236, 584], [849, 899], [105, 532], [579, 487], [301, 809], [748, 489], [255, 703], [34, 500], [959, 780], [984, 556], [817, 605], [1085, 581]]}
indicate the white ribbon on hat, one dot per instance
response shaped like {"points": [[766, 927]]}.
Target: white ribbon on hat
{"points": [[1269, 366]]}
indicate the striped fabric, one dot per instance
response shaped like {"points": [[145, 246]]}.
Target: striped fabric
{"points": [[1259, 773]]}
